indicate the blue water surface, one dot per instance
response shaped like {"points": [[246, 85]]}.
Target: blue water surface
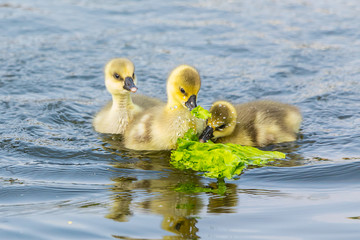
{"points": [[61, 180]]}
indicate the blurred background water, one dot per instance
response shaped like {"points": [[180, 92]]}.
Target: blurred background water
{"points": [[60, 179]]}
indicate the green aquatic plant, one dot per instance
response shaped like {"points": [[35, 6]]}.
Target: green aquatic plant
{"points": [[200, 112], [217, 160]]}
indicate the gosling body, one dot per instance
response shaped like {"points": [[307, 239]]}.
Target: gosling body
{"points": [[159, 127], [257, 123], [115, 116]]}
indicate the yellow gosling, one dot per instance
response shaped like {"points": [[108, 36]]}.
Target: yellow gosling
{"points": [[120, 80], [159, 127]]}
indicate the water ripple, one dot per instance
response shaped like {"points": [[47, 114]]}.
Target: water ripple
{"points": [[52, 57]]}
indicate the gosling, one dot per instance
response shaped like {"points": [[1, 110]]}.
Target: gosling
{"points": [[257, 123], [120, 80], [159, 127]]}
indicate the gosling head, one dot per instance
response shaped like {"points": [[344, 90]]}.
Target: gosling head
{"points": [[183, 86], [120, 76], [221, 123]]}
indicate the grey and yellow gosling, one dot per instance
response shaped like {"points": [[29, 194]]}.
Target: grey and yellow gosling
{"points": [[257, 123]]}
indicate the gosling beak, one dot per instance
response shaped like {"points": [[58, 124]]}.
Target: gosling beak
{"points": [[206, 134], [191, 102], [129, 84]]}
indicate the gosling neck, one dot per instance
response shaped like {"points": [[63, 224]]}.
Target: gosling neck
{"points": [[174, 105], [121, 101]]}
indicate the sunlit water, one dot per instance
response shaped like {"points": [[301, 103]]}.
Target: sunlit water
{"points": [[61, 180]]}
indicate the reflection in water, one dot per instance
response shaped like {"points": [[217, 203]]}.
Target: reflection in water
{"points": [[122, 199], [166, 195], [223, 203], [179, 196], [158, 196]]}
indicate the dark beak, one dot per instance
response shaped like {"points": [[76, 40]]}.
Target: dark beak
{"points": [[129, 84], [206, 134], [191, 102]]}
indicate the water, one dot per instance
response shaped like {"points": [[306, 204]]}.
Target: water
{"points": [[61, 180]]}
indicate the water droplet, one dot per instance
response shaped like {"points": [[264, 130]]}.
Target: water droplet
{"points": [[184, 97], [175, 106], [224, 117]]}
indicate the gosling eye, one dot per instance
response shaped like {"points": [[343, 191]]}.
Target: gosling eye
{"points": [[182, 90], [133, 76], [117, 76], [221, 127]]}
